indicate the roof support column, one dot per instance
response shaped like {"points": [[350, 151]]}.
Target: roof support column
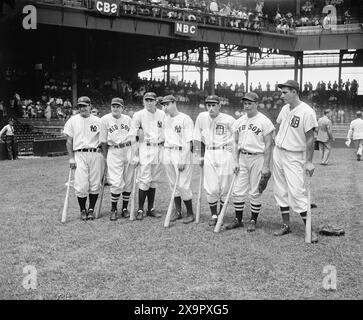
{"points": [[212, 68]]}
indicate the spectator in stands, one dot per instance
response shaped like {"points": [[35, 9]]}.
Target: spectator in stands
{"points": [[213, 7], [1, 110], [347, 17], [48, 112]]}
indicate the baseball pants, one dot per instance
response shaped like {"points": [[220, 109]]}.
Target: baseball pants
{"points": [[246, 184], [359, 146], [218, 174], [120, 173], [171, 160], [288, 176], [150, 166], [88, 174]]}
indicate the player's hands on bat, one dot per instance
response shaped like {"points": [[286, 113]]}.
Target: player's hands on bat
{"points": [[181, 166], [265, 171], [309, 168], [72, 163]]}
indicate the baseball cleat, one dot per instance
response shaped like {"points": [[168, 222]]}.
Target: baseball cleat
{"points": [[90, 214], [213, 221], [235, 224], [176, 216], [284, 230], [188, 219], [83, 215], [251, 226], [125, 213], [153, 214], [359, 157], [140, 215], [113, 215]]}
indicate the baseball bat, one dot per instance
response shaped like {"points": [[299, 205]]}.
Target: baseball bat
{"points": [[197, 215], [132, 197], [170, 208], [217, 228], [98, 210], [308, 214], [66, 200]]}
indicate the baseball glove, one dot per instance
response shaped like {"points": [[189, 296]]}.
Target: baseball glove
{"points": [[328, 230], [263, 181]]}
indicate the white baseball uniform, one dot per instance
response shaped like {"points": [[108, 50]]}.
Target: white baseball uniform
{"points": [[115, 132], [289, 158], [250, 133], [178, 135], [90, 164], [356, 134], [151, 148], [217, 135]]}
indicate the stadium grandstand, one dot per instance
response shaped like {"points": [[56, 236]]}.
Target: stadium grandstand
{"points": [[98, 49]]}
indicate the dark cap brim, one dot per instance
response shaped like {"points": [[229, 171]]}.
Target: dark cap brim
{"points": [[248, 99]]}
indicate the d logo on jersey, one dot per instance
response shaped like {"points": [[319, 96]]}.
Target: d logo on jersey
{"points": [[177, 129], [220, 129], [160, 124], [93, 128], [295, 121]]}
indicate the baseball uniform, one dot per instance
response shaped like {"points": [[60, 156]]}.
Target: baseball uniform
{"points": [[288, 156], [250, 133], [323, 137], [178, 135], [90, 164], [355, 133], [8, 130], [121, 150], [217, 135]]}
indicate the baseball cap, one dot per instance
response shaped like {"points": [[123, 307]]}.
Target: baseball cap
{"points": [[212, 98], [250, 96], [169, 98], [291, 84], [358, 113], [84, 101], [118, 101], [150, 95]]}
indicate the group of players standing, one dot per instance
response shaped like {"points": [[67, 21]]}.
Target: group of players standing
{"points": [[225, 147]]}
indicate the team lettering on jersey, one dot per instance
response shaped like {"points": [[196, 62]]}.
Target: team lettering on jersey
{"points": [[93, 128], [251, 127], [122, 127], [295, 121], [160, 124], [178, 129], [220, 129]]}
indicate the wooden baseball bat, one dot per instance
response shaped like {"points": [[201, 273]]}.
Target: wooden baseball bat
{"points": [[308, 214], [132, 197], [98, 210], [170, 208], [66, 200], [217, 228], [197, 215]]}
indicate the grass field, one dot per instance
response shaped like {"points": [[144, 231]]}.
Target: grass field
{"points": [[141, 260]]}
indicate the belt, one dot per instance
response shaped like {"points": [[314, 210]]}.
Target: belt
{"points": [[217, 148], [87, 150], [248, 153], [174, 147], [154, 144], [121, 145]]}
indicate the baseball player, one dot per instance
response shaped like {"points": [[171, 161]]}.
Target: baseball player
{"points": [[214, 136], [355, 133], [83, 130], [178, 156], [294, 150], [119, 149], [253, 138], [151, 121], [8, 131]]}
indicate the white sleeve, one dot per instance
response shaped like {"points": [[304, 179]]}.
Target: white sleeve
{"points": [[135, 125], [350, 131], [310, 121], [68, 128], [103, 131], [189, 126], [197, 130], [267, 127]]}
